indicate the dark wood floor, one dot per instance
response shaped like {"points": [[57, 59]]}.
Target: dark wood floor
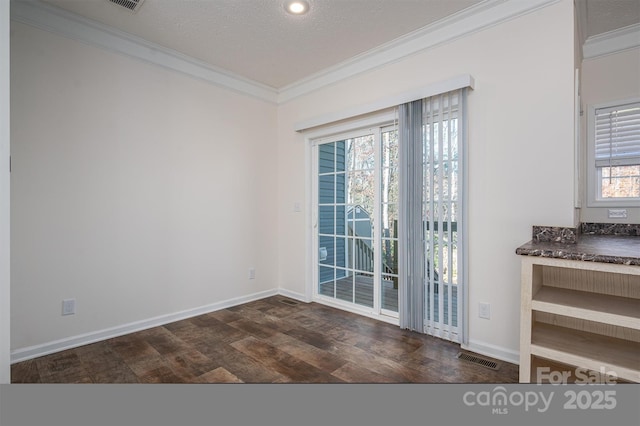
{"points": [[266, 341]]}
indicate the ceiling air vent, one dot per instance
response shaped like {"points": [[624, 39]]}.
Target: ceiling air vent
{"points": [[132, 5]]}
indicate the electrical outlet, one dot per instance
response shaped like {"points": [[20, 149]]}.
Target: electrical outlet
{"points": [[484, 310], [252, 273], [68, 306]]}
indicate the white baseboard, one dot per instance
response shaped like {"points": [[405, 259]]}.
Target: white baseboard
{"points": [[35, 351], [493, 351], [293, 295]]}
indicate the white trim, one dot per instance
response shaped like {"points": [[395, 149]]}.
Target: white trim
{"points": [[59, 21], [498, 352], [612, 42], [310, 220], [375, 125], [468, 21], [293, 295], [5, 200], [329, 131], [437, 88], [35, 351], [581, 24], [355, 309]]}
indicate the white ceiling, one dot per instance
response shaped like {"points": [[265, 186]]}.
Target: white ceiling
{"points": [[608, 15], [258, 40]]}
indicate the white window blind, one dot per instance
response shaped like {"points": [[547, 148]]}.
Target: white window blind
{"points": [[617, 135]]}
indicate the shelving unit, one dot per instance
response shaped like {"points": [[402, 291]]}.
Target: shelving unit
{"points": [[582, 314]]}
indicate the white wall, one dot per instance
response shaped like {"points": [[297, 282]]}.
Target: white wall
{"points": [[608, 78], [5, 292], [136, 190], [521, 157]]}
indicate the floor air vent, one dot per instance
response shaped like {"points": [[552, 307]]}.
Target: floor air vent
{"points": [[132, 5], [478, 360], [288, 302]]}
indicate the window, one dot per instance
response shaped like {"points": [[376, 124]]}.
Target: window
{"points": [[356, 200], [614, 154]]}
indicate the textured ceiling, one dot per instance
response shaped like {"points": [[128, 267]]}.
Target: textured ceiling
{"points": [[258, 40], [607, 15]]}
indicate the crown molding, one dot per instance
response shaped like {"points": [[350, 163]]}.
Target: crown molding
{"points": [[58, 21], [476, 18], [581, 23], [612, 42]]}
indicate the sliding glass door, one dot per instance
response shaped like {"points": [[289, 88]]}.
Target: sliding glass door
{"points": [[363, 183], [356, 196]]}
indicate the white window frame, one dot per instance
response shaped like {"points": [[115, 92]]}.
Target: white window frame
{"points": [[593, 174]]}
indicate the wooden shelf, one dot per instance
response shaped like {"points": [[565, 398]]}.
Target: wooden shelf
{"points": [[579, 313], [587, 350], [615, 310]]}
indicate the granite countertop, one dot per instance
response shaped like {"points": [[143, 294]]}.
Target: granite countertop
{"points": [[618, 249]]}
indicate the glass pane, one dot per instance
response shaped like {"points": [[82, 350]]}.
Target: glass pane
{"points": [[389, 186], [326, 275], [389, 256], [360, 186], [360, 153], [326, 251], [341, 188], [326, 189], [390, 293], [340, 156], [326, 158], [363, 255], [390, 149], [344, 287], [359, 222], [341, 220], [341, 252], [620, 182], [389, 213], [364, 289], [326, 219], [342, 273], [364, 153]]}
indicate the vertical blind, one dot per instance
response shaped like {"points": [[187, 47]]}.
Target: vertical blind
{"points": [[411, 269], [441, 211], [431, 147], [617, 135]]}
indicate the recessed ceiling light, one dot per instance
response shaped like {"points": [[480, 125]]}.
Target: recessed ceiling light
{"points": [[297, 7]]}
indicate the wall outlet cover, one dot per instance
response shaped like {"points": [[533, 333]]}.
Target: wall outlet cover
{"points": [[68, 306], [484, 310], [617, 213]]}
